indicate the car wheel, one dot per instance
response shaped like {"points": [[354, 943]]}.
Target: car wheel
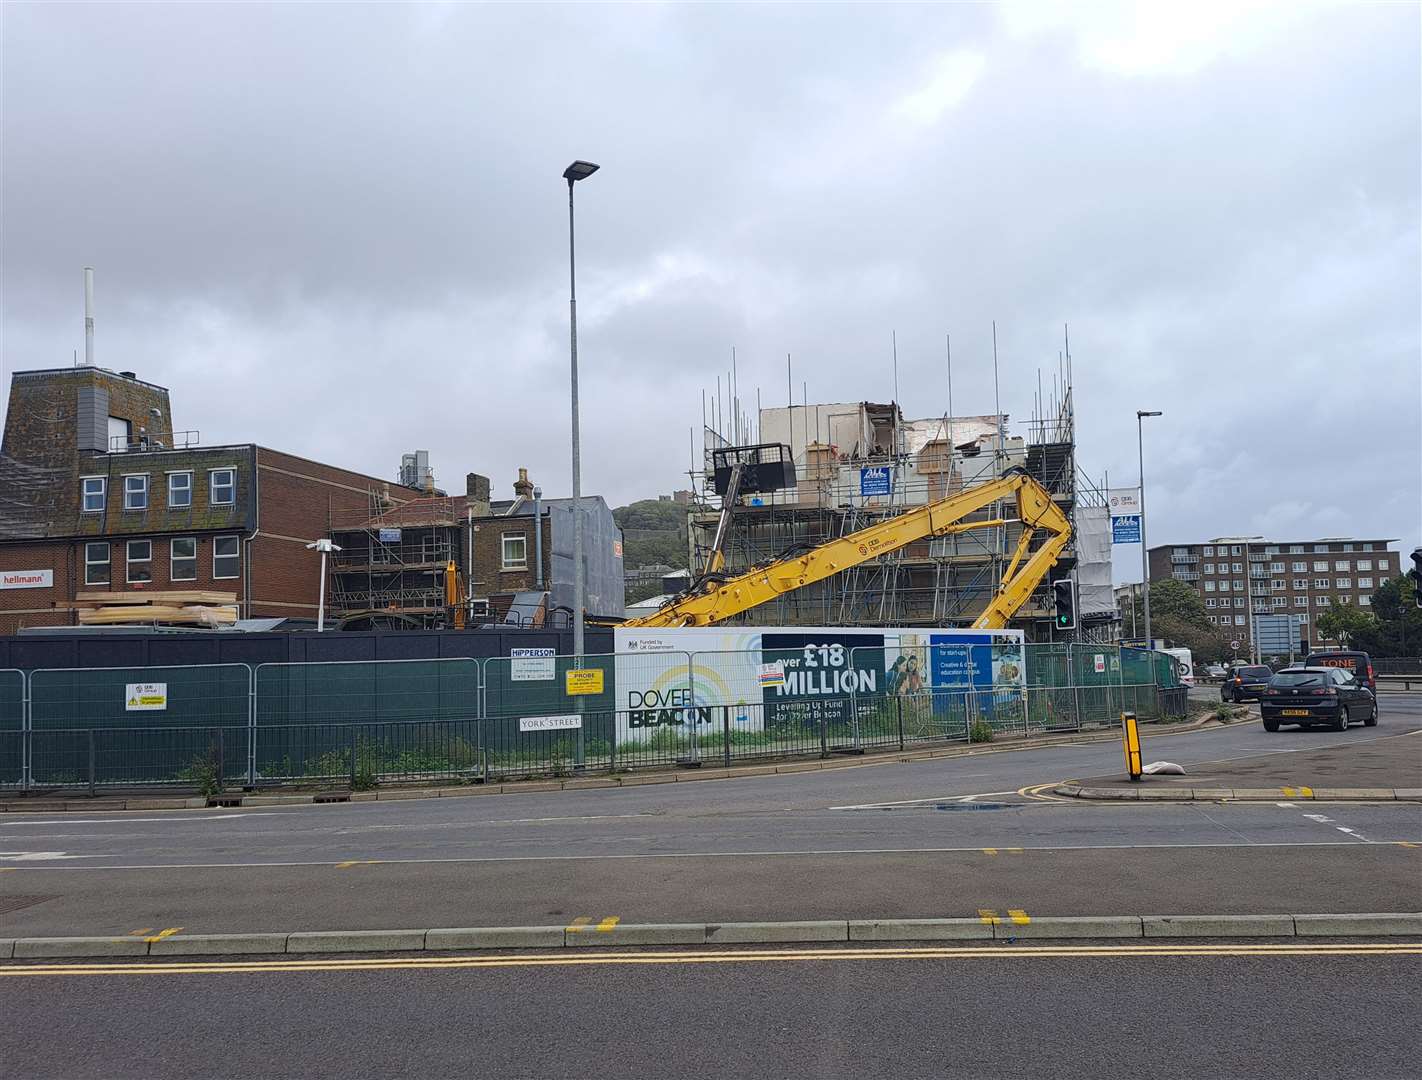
{"points": [[1342, 722], [1372, 720], [1271, 725]]}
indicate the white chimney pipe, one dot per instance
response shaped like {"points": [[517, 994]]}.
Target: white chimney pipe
{"points": [[89, 316]]}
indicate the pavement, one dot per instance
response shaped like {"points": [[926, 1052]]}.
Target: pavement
{"points": [[937, 838], [1377, 769], [1257, 1010]]}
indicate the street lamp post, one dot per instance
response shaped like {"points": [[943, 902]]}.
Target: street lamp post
{"points": [[1250, 623], [1141, 414], [325, 547], [578, 170]]}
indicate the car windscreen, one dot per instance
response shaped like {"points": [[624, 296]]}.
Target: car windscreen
{"points": [[1255, 672], [1299, 679]]}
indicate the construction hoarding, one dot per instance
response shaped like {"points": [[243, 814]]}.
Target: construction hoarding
{"points": [[776, 677]]}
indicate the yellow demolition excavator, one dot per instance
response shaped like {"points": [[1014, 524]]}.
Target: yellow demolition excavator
{"points": [[716, 596]]}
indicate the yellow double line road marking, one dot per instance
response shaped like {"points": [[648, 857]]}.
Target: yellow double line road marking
{"points": [[1009, 952]]}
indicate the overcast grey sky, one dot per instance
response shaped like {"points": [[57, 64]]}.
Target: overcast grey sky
{"points": [[341, 230]]}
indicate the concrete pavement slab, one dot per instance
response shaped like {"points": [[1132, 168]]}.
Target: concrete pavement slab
{"points": [[218, 944], [638, 934], [1069, 926], [26, 948], [919, 930], [1379, 923], [1218, 926], [1382, 794], [742, 933], [496, 937], [327, 941], [7, 948]]}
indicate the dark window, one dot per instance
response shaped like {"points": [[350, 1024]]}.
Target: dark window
{"points": [[180, 490], [140, 560], [226, 557], [1299, 679], [182, 562], [96, 563]]}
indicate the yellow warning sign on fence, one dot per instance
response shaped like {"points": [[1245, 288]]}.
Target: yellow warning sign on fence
{"points": [[582, 681]]}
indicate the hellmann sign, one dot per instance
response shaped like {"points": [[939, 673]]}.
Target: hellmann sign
{"points": [[26, 579]]}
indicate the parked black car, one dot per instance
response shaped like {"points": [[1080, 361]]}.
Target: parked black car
{"points": [[1246, 682], [1310, 696], [1359, 663]]}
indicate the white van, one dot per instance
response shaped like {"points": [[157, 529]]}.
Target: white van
{"points": [[1184, 663]]}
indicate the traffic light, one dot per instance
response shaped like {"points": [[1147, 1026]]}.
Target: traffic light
{"points": [[1416, 575], [1064, 600]]}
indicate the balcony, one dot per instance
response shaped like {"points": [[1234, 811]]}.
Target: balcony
{"points": [[1184, 559], [1185, 575], [1259, 557]]}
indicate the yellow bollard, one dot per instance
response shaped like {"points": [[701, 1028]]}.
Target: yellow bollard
{"points": [[1131, 740]]}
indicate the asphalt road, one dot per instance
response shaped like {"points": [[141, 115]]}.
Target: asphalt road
{"points": [[943, 837], [824, 1015]]}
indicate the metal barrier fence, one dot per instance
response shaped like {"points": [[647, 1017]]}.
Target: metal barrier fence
{"points": [[361, 723]]}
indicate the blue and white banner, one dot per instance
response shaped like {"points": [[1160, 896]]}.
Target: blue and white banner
{"points": [[875, 480], [1126, 529]]}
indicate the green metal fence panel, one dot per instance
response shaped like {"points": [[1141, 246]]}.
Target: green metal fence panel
{"points": [[389, 716], [14, 746], [149, 724]]}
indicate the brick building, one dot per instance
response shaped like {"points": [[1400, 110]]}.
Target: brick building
{"points": [[515, 555], [1237, 577], [99, 493]]}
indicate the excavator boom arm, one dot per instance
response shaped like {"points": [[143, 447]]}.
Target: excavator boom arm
{"points": [[718, 601]]}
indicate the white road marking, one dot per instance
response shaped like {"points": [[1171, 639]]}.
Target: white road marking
{"points": [[976, 848], [42, 856], [119, 817], [1320, 819]]}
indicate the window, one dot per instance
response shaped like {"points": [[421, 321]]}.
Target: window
{"points": [[1365, 583], [1207, 550], [1239, 601], [515, 551], [1347, 547], [1301, 601], [1322, 601], [1239, 568], [1180, 551], [180, 490], [226, 560], [1296, 549], [140, 560], [120, 434], [1209, 586], [1367, 546], [1320, 549], [1280, 601], [182, 559], [1238, 585], [222, 487], [1320, 583], [1277, 584], [135, 491], [1276, 568], [1300, 583], [1365, 601], [1211, 602], [1299, 567], [1321, 564], [96, 563], [1209, 568], [1239, 620], [1224, 586], [1343, 583], [1365, 564], [1235, 550], [93, 493], [1302, 619], [1343, 564], [1272, 549]]}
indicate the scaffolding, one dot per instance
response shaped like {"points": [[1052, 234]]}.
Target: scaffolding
{"points": [[944, 581], [393, 559]]}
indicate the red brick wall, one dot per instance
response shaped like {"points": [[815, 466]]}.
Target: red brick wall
{"points": [[37, 607]]}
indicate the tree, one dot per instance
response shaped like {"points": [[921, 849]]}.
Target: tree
{"points": [[1396, 629], [1345, 624], [1177, 614], [654, 533]]}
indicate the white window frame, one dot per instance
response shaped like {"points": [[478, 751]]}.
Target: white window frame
{"points": [[189, 489], [1235, 549], [504, 562], [1346, 565], [1365, 601], [107, 562], [129, 562], [1300, 568], [1320, 583], [1238, 585], [174, 558], [1343, 583], [1301, 583], [1239, 601], [1323, 601], [1238, 568], [128, 491], [1320, 565], [84, 493], [1211, 602], [1276, 568], [1239, 620], [1320, 549], [1301, 601], [1208, 551], [1209, 586], [236, 555], [1279, 601], [1365, 564], [212, 486], [1365, 583], [1296, 549]]}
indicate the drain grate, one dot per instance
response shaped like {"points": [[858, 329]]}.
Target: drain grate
{"points": [[15, 903]]}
